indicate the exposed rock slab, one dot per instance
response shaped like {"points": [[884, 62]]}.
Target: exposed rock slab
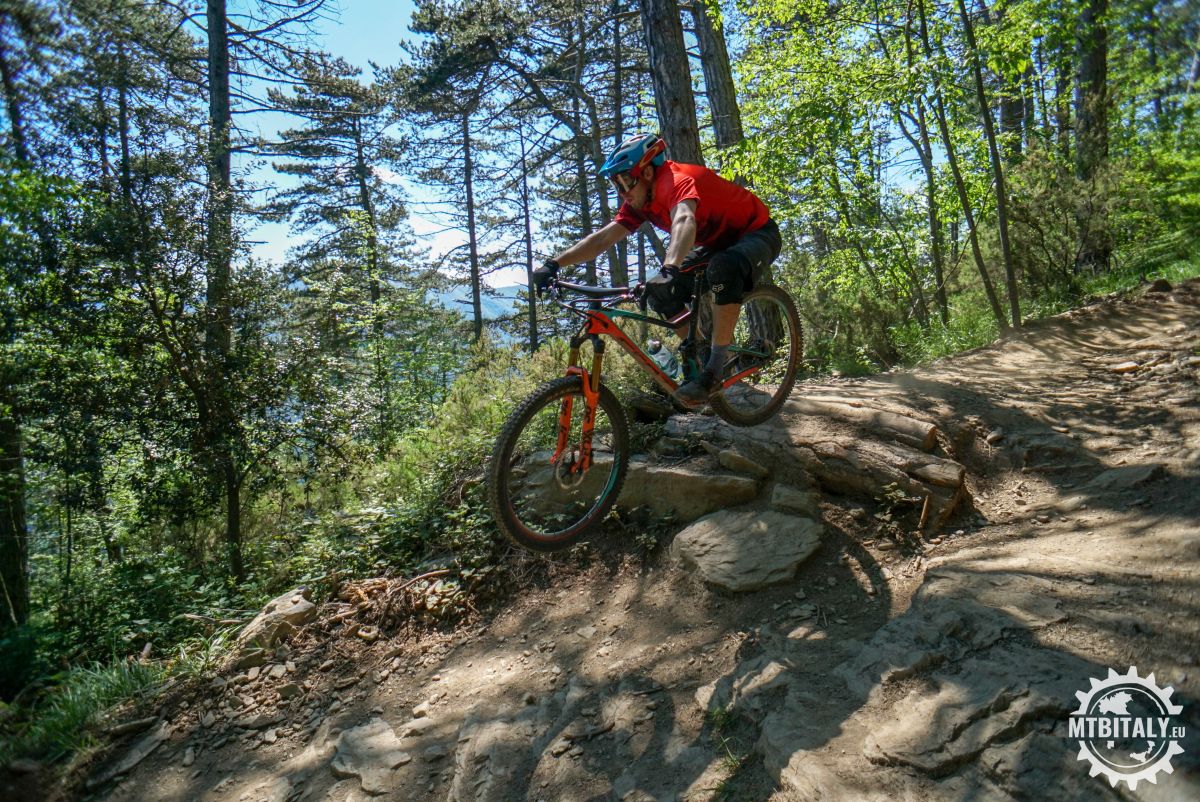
{"points": [[1125, 477], [369, 752], [746, 689], [738, 463], [664, 489], [746, 550], [139, 752], [986, 701], [851, 466], [794, 500], [491, 747]]}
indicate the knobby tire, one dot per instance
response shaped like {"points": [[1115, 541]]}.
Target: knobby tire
{"points": [[500, 494], [795, 351]]}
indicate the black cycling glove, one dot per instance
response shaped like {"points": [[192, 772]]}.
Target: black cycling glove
{"points": [[543, 276]]}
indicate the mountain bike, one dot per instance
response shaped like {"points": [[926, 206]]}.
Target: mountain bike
{"points": [[560, 461]]}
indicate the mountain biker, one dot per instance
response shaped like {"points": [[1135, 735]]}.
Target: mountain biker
{"points": [[709, 219]]}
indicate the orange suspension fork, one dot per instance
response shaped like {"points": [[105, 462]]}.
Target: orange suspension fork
{"points": [[591, 398]]}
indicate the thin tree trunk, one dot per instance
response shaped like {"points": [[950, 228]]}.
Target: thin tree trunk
{"points": [[218, 331], [14, 544], [641, 247], [123, 129], [985, 112], [106, 175], [1029, 123], [621, 268], [472, 243], [374, 288], [671, 75], [718, 79], [526, 215], [68, 559], [937, 247], [1043, 107], [1062, 109], [1091, 132], [12, 104], [1152, 28], [956, 173], [585, 208]]}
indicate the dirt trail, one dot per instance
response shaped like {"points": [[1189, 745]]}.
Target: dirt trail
{"points": [[941, 670]]}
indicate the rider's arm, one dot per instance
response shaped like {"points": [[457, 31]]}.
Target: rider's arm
{"points": [[593, 244], [683, 232]]}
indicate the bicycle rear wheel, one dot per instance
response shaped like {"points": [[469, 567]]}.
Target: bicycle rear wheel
{"points": [[766, 350], [547, 507]]}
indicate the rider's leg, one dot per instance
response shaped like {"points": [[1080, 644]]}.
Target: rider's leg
{"points": [[731, 273], [724, 321]]}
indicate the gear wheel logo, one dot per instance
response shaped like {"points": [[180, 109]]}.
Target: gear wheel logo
{"points": [[1126, 728]]}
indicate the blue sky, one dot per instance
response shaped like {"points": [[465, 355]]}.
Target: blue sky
{"points": [[369, 30], [360, 31]]}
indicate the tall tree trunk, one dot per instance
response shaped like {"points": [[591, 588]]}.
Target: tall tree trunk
{"points": [[718, 78], [985, 113], [924, 151], [14, 544], [218, 331], [123, 129], [956, 173], [472, 242], [1091, 131], [14, 559], [383, 382], [937, 246], [583, 187], [1062, 108], [621, 267], [526, 216], [672, 79], [590, 143], [12, 103], [1029, 123]]}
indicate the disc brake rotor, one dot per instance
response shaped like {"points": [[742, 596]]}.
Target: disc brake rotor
{"points": [[566, 473]]}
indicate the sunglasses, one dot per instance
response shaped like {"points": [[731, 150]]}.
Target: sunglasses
{"points": [[624, 182]]}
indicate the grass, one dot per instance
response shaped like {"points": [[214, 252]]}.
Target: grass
{"points": [[733, 759], [67, 719]]}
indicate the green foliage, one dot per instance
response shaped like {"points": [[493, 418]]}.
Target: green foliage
{"points": [[65, 719], [971, 325]]}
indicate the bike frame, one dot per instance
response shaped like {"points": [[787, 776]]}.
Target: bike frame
{"points": [[599, 323]]}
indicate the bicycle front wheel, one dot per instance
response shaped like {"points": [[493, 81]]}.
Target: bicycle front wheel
{"points": [[547, 504], [765, 354]]}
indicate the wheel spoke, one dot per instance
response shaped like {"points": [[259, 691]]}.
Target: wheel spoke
{"points": [[545, 500], [763, 358]]}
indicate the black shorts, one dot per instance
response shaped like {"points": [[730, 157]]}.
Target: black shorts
{"points": [[731, 272]]}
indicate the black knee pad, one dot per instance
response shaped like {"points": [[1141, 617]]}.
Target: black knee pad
{"points": [[729, 275]]}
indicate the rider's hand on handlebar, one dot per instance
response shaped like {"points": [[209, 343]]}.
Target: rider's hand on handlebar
{"points": [[639, 294], [544, 275]]}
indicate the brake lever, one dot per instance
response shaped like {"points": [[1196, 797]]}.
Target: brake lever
{"points": [[639, 295]]}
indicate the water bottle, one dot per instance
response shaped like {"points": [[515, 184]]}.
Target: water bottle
{"points": [[663, 358]]}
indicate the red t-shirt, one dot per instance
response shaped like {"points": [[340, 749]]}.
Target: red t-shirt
{"points": [[724, 211]]}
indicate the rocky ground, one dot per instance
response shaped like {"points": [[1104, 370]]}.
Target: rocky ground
{"points": [[890, 665]]}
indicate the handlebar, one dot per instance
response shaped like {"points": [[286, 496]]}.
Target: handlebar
{"points": [[611, 296]]}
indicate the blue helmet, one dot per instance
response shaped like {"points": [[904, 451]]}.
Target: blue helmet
{"points": [[634, 154]]}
